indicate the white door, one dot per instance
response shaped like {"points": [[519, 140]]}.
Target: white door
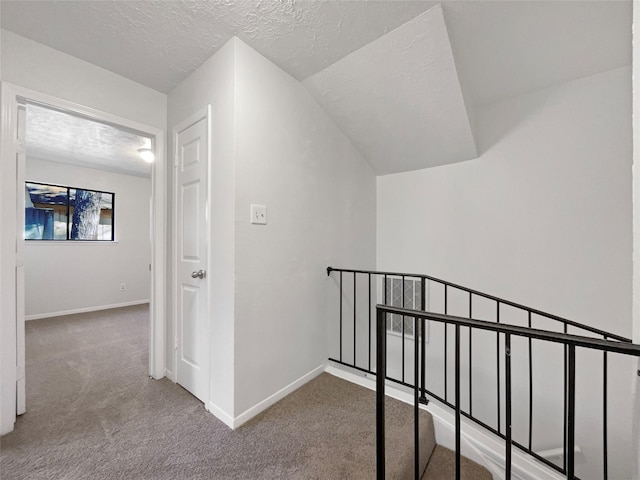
{"points": [[192, 332]]}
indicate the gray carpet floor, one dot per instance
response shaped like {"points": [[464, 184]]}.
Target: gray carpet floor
{"points": [[442, 466], [93, 413]]}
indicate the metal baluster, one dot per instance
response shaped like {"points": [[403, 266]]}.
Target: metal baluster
{"points": [[416, 410], [340, 316], [571, 411], [385, 297], [564, 429], [605, 452], [355, 303], [507, 367], [423, 331], [403, 318], [381, 373], [385, 300], [445, 346], [498, 363], [470, 356], [457, 380], [530, 388], [369, 308], [385, 290]]}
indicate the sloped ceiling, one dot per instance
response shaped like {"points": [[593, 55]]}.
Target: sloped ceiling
{"points": [[399, 99], [159, 43], [509, 48], [397, 80]]}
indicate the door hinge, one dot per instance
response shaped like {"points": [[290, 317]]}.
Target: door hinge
{"points": [[176, 161], [175, 343], [19, 373]]}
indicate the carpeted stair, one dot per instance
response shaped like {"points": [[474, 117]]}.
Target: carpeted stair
{"points": [[436, 461], [352, 408], [399, 459], [442, 465]]}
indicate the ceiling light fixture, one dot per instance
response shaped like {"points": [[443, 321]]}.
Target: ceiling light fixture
{"points": [[147, 154]]}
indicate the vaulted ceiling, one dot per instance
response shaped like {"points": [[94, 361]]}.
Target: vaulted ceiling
{"points": [[400, 78], [407, 74]]}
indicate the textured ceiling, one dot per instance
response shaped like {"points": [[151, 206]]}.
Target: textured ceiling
{"points": [[60, 137], [426, 123], [374, 74], [159, 43], [502, 48]]}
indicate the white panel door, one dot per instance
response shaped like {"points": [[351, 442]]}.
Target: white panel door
{"points": [[192, 332]]}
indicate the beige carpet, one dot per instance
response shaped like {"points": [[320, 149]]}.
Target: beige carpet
{"points": [[442, 467], [93, 413]]}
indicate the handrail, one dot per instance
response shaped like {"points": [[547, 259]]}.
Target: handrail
{"points": [[569, 340], [356, 308], [502, 301], [533, 333]]}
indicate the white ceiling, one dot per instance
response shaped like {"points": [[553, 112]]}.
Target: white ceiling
{"points": [[351, 57], [508, 48], [60, 137], [408, 74], [502, 48], [159, 43]]}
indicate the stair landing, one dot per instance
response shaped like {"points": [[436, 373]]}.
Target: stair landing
{"points": [[339, 418]]}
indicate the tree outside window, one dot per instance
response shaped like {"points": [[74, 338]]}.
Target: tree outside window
{"points": [[56, 212]]}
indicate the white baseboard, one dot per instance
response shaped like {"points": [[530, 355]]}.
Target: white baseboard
{"points": [[267, 402], [221, 415], [38, 316], [478, 445], [362, 379]]}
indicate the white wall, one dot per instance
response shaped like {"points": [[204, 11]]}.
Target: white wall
{"points": [[68, 276], [636, 236], [273, 145], [543, 218], [213, 83], [37, 67], [320, 196], [45, 70]]}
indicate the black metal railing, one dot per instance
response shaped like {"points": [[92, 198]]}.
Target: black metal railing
{"points": [[501, 319], [571, 342]]}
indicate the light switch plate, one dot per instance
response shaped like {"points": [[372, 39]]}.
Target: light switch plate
{"points": [[258, 214]]}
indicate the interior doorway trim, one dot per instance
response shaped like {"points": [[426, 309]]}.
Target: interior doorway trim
{"points": [[11, 260]]}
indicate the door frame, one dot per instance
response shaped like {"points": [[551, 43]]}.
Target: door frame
{"points": [[11, 256], [203, 113]]}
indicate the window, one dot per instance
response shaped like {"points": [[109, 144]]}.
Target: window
{"points": [[54, 212], [404, 294]]}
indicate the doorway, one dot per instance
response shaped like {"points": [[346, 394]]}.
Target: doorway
{"points": [[191, 256], [14, 103]]}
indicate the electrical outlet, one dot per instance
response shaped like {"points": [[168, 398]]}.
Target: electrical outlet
{"points": [[123, 286]]}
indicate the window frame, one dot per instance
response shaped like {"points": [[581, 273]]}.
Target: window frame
{"points": [[68, 210]]}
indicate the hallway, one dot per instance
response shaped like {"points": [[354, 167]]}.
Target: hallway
{"points": [[94, 413]]}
